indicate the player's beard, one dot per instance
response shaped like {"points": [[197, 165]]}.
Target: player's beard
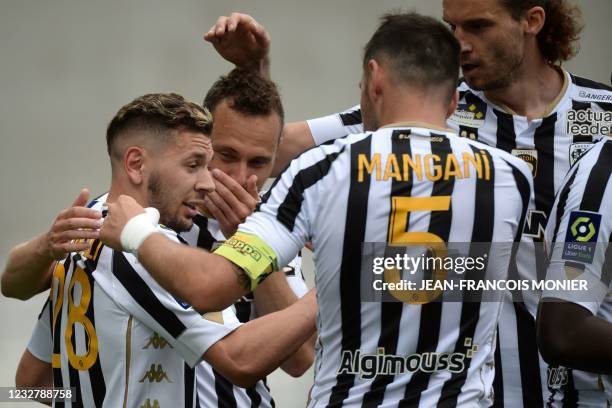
{"points": [[159, 197], [504, 70]]}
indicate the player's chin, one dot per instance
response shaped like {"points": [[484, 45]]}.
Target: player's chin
{"points": [[183, 223]]}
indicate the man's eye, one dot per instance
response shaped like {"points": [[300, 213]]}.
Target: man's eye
{"points": [[258, 164], [224, 156]]}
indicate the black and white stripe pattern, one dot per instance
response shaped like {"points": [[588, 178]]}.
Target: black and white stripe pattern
{"points": [[143, 336], [340, 208], [554, 151]]}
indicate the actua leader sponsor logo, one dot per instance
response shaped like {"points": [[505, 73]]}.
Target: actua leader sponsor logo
{"points": [[588, 122], [368, 366]]}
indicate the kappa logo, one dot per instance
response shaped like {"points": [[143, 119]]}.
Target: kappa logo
{"points": [[576, 150], [529, 156], [157, 342], [470, 114], [244, 247], [155, 374], [147, 404]]}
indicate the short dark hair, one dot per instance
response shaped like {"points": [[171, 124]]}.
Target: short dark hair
{"points": [[157, 114], [558, 39], [247, 93], [422, 52]]}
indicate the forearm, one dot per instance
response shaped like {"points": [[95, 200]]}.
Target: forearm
{"points": [[296, 138], [275, 294], [28, 269], [206, 281], [582, 343], [262, 345], [32, 372], [262, 67]]}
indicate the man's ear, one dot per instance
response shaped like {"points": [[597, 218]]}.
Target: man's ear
{"points": [[134, 164], [374, 81], [534, 20]]}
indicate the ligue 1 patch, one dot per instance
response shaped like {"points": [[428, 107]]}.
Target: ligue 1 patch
{"points": [[529, 156], [576, 150], [581, 236], [471, 114]]}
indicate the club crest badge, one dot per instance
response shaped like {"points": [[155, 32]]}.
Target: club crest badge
{"points": [[576, 150]]}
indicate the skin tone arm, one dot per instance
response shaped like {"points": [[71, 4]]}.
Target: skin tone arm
{"points": [[206, 281], [239, 39], [28, 269], [275, 294], [32, 372], [242, 41], [230, 204], [570, 335], [258, 347], [245, 356]]}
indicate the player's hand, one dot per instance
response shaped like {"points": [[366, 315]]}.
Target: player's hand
{"points": [[119, 213], [230, 203], [242, 41], [72, 228]]}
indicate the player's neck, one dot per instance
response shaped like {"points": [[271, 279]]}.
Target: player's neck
{"points": [[413, 109], [534, 92], [119, 187]]}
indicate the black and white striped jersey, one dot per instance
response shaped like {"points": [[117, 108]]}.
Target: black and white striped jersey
{"points": [[577, 238], [119, 338], [550, 145], [361, 189], [214, 390]]}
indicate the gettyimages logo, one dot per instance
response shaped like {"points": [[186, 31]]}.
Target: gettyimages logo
{"points": [[588, 122]]}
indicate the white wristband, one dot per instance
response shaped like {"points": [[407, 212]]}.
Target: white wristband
{"points": [[138, 228]]}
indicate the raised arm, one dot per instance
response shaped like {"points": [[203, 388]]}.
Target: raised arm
{"points": [[241, 40], [28, 269]]}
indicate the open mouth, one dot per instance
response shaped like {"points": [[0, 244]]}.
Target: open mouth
{"points": [[192, 208], [468, 68]]}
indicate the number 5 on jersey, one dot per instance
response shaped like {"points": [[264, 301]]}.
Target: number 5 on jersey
{"points": [[398, 235]]}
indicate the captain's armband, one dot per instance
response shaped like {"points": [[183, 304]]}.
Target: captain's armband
{"points": [[251, 254]]}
